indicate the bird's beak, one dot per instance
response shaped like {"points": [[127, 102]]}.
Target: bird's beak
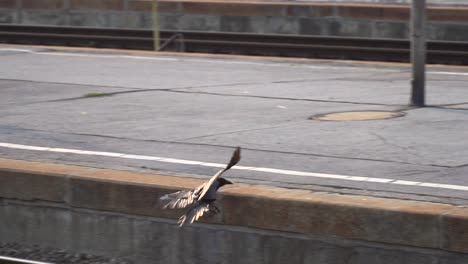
{"points": [[228, 182]]}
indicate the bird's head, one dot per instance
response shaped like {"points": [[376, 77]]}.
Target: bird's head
{"points": [[223, 181]]}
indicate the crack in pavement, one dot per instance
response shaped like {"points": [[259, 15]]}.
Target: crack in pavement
{"points": [[454, 104], [65, 83], [283, 98], [405, 149], [236, 131], [448, 108], [179, 90], [130, 89], [460, 166], [309, 80], [184, 90], [143, 90], [415, 172]]}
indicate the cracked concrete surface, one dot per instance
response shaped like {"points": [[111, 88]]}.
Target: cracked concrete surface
{"points": [[197, 108]]}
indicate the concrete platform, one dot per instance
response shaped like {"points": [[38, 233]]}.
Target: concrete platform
{"points": [[183, 115], [113, 213]]}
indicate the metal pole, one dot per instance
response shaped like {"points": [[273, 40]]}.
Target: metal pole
{"points": [[418, 51], [126, 14], [19, 11], [66, 12], [155, 26]]}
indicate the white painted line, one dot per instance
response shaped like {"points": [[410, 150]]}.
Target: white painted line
{"points": [[444, 186], [16, 146], [24, 261], [405, 182], [83, 152], [357, 178], [224, 61], [180, 161], [148, 58], [108, 154], [219, 165], [18, 50], [215, 165], [243, 168], [63, 150], [379, 180], [448, 73], [109, 56], [74, 54], [221, 61], [165, 58], [140, 157]]}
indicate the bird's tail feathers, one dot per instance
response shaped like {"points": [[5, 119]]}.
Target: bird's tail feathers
{"points": [[234, 159]]}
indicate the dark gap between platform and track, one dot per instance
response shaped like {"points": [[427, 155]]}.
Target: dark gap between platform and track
{"points": [[299, 46]]}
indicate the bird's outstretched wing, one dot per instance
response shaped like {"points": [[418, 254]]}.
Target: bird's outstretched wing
{"points": [[180, 199], [194, 213], [234, 160]]}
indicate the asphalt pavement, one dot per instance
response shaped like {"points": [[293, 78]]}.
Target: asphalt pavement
{"points": [[184, 114]]}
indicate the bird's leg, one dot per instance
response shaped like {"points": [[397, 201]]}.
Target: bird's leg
{"points": [[214, 209]]}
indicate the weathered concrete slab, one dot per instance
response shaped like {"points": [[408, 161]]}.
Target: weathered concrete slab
{"points": [[198, 107]]}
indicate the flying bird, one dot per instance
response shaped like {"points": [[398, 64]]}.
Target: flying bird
{"points": [[200, 199]]}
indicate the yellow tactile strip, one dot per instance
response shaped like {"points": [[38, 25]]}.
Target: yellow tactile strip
{"points": [[400, 222]]}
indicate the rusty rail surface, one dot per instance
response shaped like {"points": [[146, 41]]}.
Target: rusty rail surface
{"points": [[327, 47]]}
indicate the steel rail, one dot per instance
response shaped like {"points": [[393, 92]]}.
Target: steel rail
{"points": [[328, 47]]}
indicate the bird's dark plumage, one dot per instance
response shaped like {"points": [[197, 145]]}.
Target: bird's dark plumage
{"points": [[200, 198]]}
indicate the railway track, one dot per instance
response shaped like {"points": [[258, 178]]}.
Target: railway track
{"points": [[348, 48]]}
